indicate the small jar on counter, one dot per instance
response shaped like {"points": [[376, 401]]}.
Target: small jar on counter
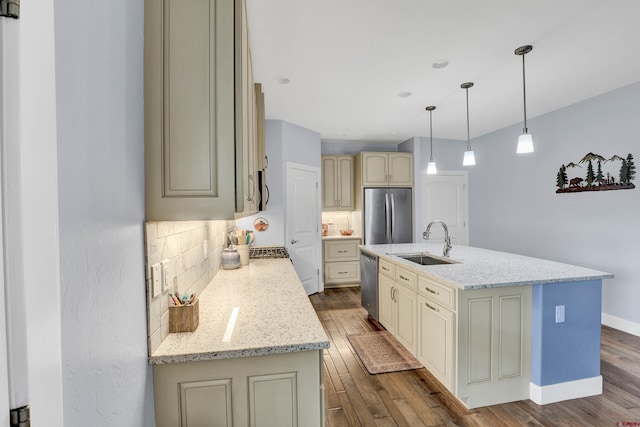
{"points": [[230, 259]]}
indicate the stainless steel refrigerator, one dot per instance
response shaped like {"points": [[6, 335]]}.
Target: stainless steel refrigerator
{"points": [[388, 216]]}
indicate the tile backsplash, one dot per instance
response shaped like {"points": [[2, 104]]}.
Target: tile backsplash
{"points": [[342, 220], [179, 247]]}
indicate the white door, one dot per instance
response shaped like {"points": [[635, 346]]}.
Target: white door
{"points": [[445, 197], [30, 346], [303, 237]]}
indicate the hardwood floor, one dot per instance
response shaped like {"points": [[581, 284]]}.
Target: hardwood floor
{"points": [[415, 398]]}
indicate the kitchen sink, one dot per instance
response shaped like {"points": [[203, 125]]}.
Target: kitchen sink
{"points": [[424, 259]]}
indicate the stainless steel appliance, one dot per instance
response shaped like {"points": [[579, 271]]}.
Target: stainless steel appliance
{"points": [[369, 283], [387, 216], [257, 252]]}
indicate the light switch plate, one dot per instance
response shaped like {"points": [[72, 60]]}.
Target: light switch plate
{"points": [[156, 280], [167, 277], [205, 248], [559, 313]]}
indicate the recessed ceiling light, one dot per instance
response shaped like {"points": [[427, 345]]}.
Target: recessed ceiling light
{"points": [[283, 80], [404, 94], [440, 63]]}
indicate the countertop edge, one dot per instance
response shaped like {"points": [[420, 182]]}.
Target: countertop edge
{"points": [[235, 354]]}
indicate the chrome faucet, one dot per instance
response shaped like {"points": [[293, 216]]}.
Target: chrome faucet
{"points": [[447, 240]]}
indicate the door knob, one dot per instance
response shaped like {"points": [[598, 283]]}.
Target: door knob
{"points": [[293, 242]]}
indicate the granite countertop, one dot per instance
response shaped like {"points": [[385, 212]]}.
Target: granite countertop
{"points": [[478, 268], [340, 237], [274, 315]]}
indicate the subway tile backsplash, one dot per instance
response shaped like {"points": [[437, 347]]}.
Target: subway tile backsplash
{"points": [[179, 247]]}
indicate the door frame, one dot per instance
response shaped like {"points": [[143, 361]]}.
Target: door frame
{"points": [[289, 207], [29, 198], [418, 204]]}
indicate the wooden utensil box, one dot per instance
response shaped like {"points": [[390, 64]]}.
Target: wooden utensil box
{"points": [[184, 318]]}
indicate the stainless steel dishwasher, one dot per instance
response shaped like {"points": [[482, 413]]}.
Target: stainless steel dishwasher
{"points": [[369, 283]]}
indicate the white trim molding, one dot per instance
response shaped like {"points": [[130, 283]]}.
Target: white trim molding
{"points": [[627, 326], [543, 395]]}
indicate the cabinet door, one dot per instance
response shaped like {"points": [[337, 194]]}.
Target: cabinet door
{"points": [[189, 110], [345, 182], [374, 169], [406, 320], [386, 304], [329, 184], [401, 169], [436, 341]]}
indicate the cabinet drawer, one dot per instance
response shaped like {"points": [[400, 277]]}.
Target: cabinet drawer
{"points": [[387, 268], [341, 251], [342, 272], [439, 293], [406, 278]]}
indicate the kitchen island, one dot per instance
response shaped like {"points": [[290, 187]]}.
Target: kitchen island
{"points": [[494, 327], [256, 354]]}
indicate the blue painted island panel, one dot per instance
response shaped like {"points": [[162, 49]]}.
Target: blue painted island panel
{"points": [[570, 350]]}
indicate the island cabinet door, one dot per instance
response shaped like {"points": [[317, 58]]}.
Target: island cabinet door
{"points": [[406, 317], [494, 345], [436, 340], [386, 304]]}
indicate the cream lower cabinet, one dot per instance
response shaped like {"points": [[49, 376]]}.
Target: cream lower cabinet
{"points": [[397, 308], [436, 344], [284, 390], [341, 262], [477, 343]]}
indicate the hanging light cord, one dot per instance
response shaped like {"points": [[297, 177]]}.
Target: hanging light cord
{"points": [[430, 138], [468, 141], [524, 96]]}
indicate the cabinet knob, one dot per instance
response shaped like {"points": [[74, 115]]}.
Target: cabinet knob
{"points": [[293, 242]]}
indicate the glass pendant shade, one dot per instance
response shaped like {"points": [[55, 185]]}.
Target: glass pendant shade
{"points": [[431, 168], [469, 158], [525, 144]]}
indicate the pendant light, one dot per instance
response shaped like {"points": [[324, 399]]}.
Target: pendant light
{"points": [[431, 166], [525, 142], [469, 158]]}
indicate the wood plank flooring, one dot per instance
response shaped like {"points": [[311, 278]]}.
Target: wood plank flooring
{"points": [[415, 398]]}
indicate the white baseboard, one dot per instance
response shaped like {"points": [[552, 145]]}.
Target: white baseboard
{"points": [[565, 391], [623, 325]]}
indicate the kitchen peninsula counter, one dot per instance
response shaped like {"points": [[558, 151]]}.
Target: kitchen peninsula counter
{"points": [[274, 315], [266, 365], [476, 268]]}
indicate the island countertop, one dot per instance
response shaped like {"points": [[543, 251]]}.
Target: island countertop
{"points": [[477, 268], [273, 315]]}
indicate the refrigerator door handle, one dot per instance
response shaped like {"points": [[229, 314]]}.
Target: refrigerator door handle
{"points": [[387, 217], [393, 212]]}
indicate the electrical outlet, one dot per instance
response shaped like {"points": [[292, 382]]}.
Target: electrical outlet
{"points": [[167, 277], [205, 248], [559, 313], [156, 280]]}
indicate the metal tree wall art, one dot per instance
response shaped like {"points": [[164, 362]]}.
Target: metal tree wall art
{"points": [[598, 179]]}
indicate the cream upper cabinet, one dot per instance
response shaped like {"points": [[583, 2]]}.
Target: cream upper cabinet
{"points": [[193, 108], [386, 169], [337, 183]]}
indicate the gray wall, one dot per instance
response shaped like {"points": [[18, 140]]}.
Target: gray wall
{"points": [[99, 67], [284, 142], [513, 205]]}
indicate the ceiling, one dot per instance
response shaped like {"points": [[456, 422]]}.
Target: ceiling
{"points": [[349, 62]]}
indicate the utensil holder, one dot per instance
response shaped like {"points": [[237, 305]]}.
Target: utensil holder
{"points": [[184, 318]]}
